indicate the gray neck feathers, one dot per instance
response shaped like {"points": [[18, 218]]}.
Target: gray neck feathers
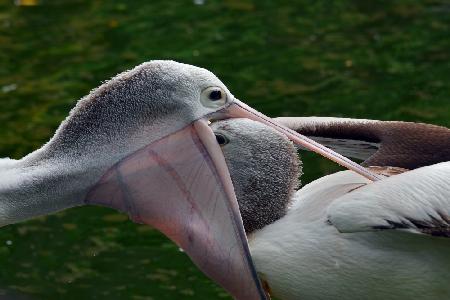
{"points": [[28, 191], [120, 116], [264, 169]]}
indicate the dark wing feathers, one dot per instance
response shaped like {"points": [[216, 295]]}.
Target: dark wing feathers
{"points": [[379, 143]]}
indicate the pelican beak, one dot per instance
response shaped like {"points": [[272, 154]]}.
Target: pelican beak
{"points": [[180, 185], [238, 109]]}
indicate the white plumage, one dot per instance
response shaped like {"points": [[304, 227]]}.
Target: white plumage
{"points": [[311, 254]]}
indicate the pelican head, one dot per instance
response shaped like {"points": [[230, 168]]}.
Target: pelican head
{"points": [[264, 167], [133, 109]]}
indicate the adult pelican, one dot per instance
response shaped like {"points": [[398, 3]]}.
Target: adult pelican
{"points": [[141, 143], [341, 236]]}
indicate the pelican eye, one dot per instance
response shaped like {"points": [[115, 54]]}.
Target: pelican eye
{"points": [[221, 139], [213, 97]]}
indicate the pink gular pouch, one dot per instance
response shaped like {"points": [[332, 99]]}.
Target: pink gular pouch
{"points": [[180, 185]]}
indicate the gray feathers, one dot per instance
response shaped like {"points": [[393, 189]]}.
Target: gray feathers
{"points": [[264, 168], [126, 112], [6, 163], [117, 108]]}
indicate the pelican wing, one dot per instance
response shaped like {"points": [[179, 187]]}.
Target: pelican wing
{"points": [[417, 201], [378, 143]]}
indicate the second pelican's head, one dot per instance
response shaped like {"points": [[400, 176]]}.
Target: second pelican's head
{"points": [[264, 167]]}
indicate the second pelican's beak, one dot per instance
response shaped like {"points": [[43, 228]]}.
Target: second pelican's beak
{"points": [[180, 185], [238, 109]]}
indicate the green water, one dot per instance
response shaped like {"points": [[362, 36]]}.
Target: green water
{"points": [[382, 60]]}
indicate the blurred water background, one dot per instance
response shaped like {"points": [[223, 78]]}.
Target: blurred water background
{"points": [[387, 60]]}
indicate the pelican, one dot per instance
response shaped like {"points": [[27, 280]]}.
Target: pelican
{"points": [[343, 236], [140, 143]]}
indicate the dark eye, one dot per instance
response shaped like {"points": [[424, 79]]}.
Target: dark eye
{"points": [[221, 139], [215, 95]]}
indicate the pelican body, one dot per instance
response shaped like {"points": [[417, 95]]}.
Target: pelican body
{"points": [[341, 236]]}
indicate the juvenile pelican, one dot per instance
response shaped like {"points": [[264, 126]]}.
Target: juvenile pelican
{"points": [[341, 236]]}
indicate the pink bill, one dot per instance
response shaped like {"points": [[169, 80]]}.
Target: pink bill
{"points": [[239, 109]]}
